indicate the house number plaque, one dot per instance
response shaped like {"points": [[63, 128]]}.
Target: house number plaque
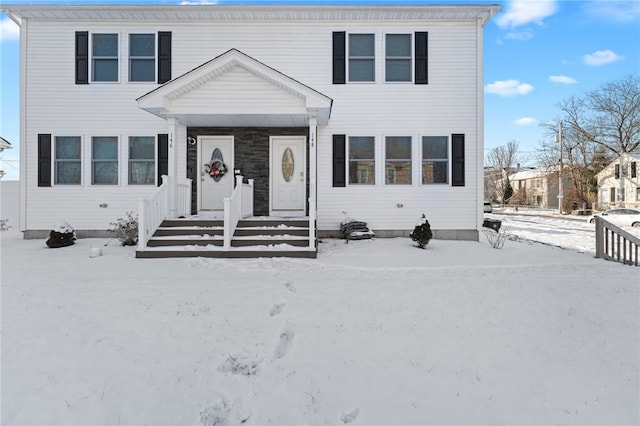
{"points": [[288, 165]]}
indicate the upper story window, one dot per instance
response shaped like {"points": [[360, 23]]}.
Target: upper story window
{"points": [[67, 169], [142, 160], [104, 160], [435, 159], [142, 57], [398, 58], [362, 59], [362, 160], [398, 160], [104, 57]]}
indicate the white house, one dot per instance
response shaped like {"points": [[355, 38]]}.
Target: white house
{"points": [[368, 112], [619, 182]]}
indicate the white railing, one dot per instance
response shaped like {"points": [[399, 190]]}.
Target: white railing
{"points": [[613, 243], [239, 205], [171, 199]]}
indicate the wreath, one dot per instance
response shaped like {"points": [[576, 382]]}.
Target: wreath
{"points": [[216, 169]]}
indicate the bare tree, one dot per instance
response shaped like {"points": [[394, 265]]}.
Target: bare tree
{"points": [[608, 116], [501, 161]]}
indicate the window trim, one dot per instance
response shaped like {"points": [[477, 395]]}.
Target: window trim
{"points": [[404, 160], [411, 58], [348, 58], [92, 58], [447, 161], [117, 161], [349, 161], [56, 161], [133, 58], [153, 160]]}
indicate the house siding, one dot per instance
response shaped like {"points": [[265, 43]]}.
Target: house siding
{"points": [[609, 181], [448, 104]]}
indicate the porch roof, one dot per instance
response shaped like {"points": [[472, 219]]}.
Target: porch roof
{"points": [[235, 89]]}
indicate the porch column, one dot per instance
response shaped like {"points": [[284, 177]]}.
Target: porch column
{"points": [[313, 170], [172, 168]]}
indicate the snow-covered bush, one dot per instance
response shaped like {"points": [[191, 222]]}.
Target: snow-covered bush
{"points": [[422, 232], [4, 225], [126, 229], [61, 235]]}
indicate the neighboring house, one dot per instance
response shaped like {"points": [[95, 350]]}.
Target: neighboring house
{"points": [[619, 183], [4, 144], [536, 187], [368, 112]]}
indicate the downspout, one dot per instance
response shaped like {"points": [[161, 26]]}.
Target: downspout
{"points": [[480, 124]]}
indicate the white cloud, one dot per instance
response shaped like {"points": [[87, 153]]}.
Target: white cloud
{"points": [[523, 12], [522, 35], [619, 11], [601, 57], [525, 121], [508, 88], [9, 30], [562, 79]]}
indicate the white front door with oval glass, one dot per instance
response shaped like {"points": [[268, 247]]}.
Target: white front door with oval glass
{"points": [[288, 175], [215, 159]]}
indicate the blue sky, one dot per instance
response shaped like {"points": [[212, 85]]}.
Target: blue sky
{"points": [[537, 53]]}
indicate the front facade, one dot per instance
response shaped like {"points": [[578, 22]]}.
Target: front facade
{"points": [[368, 112], [535, 187], [619, 183]]}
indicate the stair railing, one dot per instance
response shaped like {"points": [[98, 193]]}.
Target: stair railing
{"points": [[239, 205], [171, 199], [616, 244]]}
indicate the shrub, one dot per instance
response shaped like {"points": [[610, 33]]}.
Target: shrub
{"points": [[422, 233], [126, 229], [495, 238], [4, 225]]}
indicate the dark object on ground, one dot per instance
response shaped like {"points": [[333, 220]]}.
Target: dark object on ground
{"points": [[422, 233], [356, 230], [492, 224], [60, 239]]}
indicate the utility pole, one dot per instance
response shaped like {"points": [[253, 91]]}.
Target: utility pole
{"points": [[560, 174]]}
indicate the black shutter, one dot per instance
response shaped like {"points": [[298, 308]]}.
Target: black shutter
{"points": [[163, 156], [164, 56], [617, 171], [457, 161], [339, 160], [339, 57], [44, 160], [422, 57], [82, 57], [633, 170]]}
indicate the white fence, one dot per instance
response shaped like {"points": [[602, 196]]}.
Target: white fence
{"points": [[236, 207]]}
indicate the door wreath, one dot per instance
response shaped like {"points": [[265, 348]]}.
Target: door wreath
{"points": [[216, 167]]}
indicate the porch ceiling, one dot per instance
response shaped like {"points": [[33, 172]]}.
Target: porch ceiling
{"points": [[237, 90]]}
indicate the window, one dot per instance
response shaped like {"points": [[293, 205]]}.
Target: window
{"points": [[105, 57], [435, 159], [398, 57], [361, 57], [67, 168], [104, 160], [398, 160], [621, 195], [638, 193], [142, 57], [362, 160], [142, 160]]}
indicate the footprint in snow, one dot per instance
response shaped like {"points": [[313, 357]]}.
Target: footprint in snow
{"points": [[350, 416], [285, 341], [276, 309], [289, 285], [223, 412]]}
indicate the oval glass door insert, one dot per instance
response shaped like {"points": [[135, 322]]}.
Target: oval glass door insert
{"points": [[288, 164]]}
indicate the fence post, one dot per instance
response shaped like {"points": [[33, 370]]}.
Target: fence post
{"points": [[599, 238]]}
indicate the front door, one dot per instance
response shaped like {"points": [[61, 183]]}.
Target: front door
{"points": [[215, 159], [288, 180]]}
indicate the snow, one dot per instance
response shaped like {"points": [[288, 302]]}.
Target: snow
{"points": [[373, 332]]}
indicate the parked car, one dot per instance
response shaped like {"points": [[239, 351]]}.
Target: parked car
{"points": [[488, 208], [620, 217]]}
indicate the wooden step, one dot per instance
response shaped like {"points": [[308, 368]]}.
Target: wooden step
{"points": [[231, 254]]}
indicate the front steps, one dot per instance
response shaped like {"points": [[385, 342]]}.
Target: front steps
{"points": [[256, 237]]}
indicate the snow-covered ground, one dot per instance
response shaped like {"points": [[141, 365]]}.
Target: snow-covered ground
{"points": [[374, 332]]}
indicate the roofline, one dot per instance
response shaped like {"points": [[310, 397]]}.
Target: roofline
{"points": [[86, 12]]}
